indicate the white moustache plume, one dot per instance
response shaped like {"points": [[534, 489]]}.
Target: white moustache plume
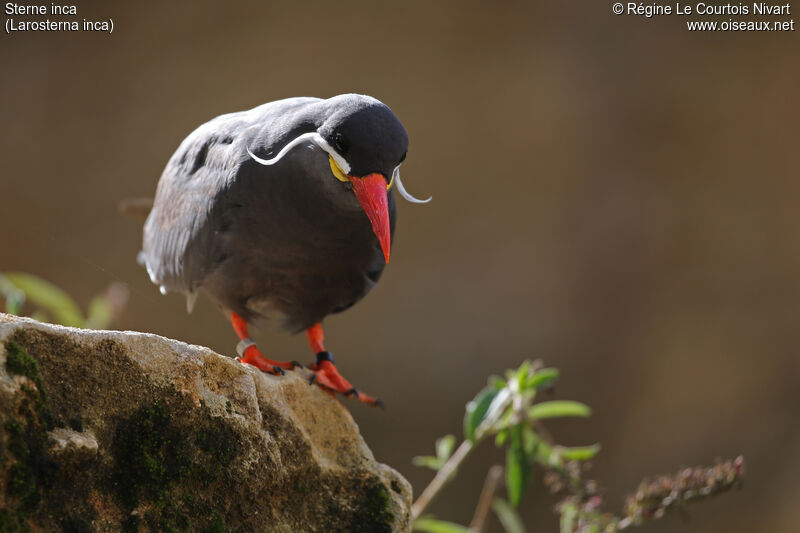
{"points": [[317, 139]]}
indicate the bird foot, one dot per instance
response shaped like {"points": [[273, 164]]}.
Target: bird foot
{"points": [[251, 355], [328, 377]]}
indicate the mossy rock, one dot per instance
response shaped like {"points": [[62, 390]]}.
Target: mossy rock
{"points": [[112, 431]]}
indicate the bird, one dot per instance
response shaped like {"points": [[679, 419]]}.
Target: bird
{"points": [[282, 213]]}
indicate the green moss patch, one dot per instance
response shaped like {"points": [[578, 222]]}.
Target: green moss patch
{"points": [[374, 515], [150, 456], [19, 362], [27, 471], [215, 444], [158, 461], [30, 472], [179, 466], [370, 511], [12, 522]]}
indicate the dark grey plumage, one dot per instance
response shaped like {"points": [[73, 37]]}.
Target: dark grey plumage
{"points": [[287, 239]]}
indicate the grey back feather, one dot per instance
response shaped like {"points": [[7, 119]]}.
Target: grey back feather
{"points": [[201, 168]]}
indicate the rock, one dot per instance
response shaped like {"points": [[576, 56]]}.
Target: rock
{"points": [[125, 431]]}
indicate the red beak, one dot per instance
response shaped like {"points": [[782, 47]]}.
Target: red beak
{"points": [[371, 193]]}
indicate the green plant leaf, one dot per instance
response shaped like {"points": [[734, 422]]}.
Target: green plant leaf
{"points": [[14, 297], [46, 295], [476, 411], [499, 407], [519, 463], [542, 378], [569, 512], [497, 382], [438, 526], [508, 516], [444, 449], [100, 313], [530, 440], [445, 446], [522, 374], [501, 437], [577, 453], [559, 408], [428, 461], [546, 457], [14, 303]]}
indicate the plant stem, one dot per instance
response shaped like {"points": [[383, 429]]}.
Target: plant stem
{"points": [[440, 479], [485, 500]]}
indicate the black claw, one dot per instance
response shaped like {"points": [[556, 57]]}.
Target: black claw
{"points": [[312, 379], [278, 370], [380, 403], [295, 364], [351, 392]]}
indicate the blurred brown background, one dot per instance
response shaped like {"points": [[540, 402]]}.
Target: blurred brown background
{"points": [[615, 195]]}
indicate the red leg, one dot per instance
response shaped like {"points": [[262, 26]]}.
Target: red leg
{"points": [[249, 352], [325, 373]]}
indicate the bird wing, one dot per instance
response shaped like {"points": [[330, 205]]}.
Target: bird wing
{"points": [[178, 245]]}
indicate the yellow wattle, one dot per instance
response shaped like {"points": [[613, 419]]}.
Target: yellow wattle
{"points": [[341, 176]]}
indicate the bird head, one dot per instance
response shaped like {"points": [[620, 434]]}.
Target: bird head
{"points": [[366, 144]]}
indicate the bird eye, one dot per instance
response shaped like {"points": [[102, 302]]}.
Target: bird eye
{"points": [[339, 143]]}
